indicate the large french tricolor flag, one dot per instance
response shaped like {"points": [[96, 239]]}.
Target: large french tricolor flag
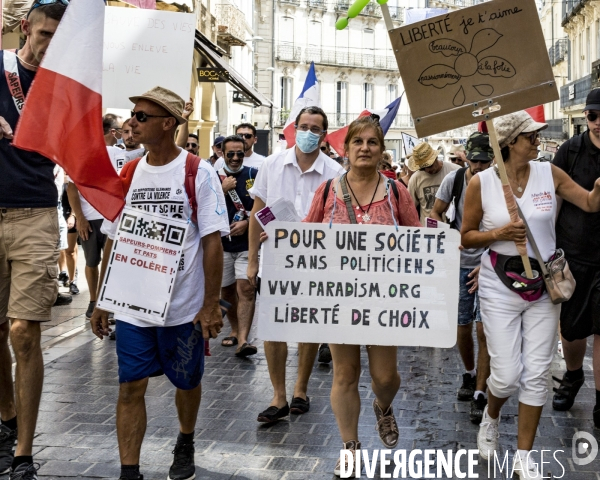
{"points": [[62, 116], [310, 97], [386, 118]]}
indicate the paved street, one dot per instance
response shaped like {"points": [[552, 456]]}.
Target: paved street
{"points": [[76, 430]]}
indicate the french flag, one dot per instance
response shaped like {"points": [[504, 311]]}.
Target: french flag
{"points": [[386, 118], [310, 97], [537, 113], [62, 115]]}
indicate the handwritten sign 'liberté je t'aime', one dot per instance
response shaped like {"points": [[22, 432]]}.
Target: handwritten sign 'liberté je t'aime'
{"points": [[359, 284], [143, 49], [454, 64]]}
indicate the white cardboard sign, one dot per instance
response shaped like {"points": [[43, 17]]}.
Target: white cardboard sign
{"points": [[142, 266], [360, 285], [144, 49]]}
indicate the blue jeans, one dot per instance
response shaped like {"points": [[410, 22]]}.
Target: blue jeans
{"points": [[468, 303]]}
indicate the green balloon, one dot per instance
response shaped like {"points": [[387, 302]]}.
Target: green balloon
{"points": [[357, 7], [341, 23], [382, 2]]}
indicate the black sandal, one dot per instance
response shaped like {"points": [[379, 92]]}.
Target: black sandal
{"points": [[233, 340], [273, 414], [246, 350], [299, 405]]}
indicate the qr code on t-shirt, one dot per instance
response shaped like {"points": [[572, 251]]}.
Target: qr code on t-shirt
{"points": [[152, 229]]}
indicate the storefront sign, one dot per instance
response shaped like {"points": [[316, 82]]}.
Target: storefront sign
{"points": [[207, 74]]}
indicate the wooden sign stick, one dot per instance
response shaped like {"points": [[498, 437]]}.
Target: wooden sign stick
{"points": [[509, 197]]}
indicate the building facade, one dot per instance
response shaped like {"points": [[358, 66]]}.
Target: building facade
{"points": [[355, 66], [581, 23]]}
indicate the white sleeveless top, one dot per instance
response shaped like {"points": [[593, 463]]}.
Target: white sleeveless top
{"points": [[538, 205]]}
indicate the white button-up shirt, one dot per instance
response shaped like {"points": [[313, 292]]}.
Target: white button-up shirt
{"points": [[281, 177]]}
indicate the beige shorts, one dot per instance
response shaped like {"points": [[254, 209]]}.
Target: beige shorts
{"points": [[29, 239], [235, 267]]}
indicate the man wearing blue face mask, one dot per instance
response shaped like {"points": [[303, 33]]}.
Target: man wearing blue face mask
{"points": [[294, 174]]}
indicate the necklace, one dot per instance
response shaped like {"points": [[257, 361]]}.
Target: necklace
{"points": [[365, 215], [519, 188], [27, 63]]}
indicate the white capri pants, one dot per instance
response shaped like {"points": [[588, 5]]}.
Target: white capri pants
{"points": [[521, 341]]}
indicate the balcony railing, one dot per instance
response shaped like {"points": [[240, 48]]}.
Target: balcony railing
{"points": [[366, 59], [293, 2], [289, 53], [317, 4], [572, 7], [397, 13], [458, 3], [231, 25], [574, 93], [558, 52]]}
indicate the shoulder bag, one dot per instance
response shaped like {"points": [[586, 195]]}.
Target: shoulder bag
{"points": [[557, 275]]}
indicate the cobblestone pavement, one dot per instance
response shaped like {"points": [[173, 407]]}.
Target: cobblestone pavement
{"points": [[76, 429]]}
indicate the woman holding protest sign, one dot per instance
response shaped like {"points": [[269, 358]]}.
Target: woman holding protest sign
{"points": [[519, 318], [364, 196]]}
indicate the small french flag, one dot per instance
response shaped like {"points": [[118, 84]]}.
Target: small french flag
{"points": [[310, 97], [386, 118]]}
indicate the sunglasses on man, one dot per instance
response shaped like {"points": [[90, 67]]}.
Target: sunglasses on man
{"points": [[247, 136], [592, 116], [323, 149], [238, 154], [143, 117], [191, 145], [43, 3], [480, 161]]}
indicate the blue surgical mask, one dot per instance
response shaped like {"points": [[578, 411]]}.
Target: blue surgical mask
{"points": [[307, 141], [120, 141]]}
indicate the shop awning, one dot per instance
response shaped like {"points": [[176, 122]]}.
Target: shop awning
{"points": [[210, 52]]}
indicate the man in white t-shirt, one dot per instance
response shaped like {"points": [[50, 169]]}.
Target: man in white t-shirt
{"points": [[177, 348], [133, 149], [293, 174], [251, 159]]}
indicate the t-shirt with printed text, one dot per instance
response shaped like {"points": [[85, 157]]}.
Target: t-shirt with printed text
{"points": [[161, 190]]}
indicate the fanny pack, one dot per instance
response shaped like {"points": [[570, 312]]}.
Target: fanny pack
{"points": [[510, 271]]}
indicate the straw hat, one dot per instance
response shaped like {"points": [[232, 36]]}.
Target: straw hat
{"points": [[423, 156], [167, 99]]}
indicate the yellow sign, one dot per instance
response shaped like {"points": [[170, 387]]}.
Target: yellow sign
{"points": [[213, 75]]}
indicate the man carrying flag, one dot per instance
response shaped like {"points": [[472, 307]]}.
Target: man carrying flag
{"points": [[28, 245]]}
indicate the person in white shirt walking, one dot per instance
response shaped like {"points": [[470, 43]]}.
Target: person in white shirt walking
{"points": [[177, 348], [294, 174]]}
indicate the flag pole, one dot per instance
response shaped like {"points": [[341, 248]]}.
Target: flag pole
{"points": [[387, 18], [509, 197]]}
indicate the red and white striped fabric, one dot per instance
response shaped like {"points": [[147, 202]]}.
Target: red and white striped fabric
{"points": [[62, 116]]}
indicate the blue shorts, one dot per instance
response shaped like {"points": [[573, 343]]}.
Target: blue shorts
{"points": [[177, 352], [468, 303]]}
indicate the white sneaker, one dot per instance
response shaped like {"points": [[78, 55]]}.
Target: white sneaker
{"points": [[487, 438], [531, 470]]}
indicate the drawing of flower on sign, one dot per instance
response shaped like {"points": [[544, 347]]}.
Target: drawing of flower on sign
{"points": [[467, 63]]}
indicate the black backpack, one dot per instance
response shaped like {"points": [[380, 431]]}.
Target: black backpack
{"points": [[457, 189], [575, 144]]}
